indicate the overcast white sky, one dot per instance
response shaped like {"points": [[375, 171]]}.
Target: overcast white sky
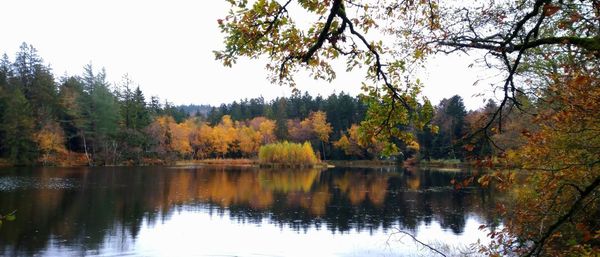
{"points": [[166, 47]]}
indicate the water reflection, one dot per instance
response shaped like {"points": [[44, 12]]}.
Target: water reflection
{"points": [[83, 208]]}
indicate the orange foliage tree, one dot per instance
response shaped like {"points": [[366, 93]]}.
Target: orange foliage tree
{"points": [[51, 142], [249, 140], [201, 140], [555, 212], [180, 137], [354, 143]]}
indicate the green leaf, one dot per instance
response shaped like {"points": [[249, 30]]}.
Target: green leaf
{"points": [[10, 217]]}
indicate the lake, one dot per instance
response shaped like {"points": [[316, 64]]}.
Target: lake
{"points": [[237, 211]]}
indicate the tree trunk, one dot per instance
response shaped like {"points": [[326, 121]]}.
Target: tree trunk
{"points": [[323, 149], [87, 156]]}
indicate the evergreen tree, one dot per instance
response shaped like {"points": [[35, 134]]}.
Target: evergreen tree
{"points": [[154, 108], [450, 118], [101, 113], [37, 83], [5, 70], [214, 116], [178, 113], [142, 114], [126, 98], [5, 73], [17, 128], [26, 62], [280, 113]]}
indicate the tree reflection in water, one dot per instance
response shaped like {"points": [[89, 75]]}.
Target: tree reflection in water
{"points": [[82, 206]]}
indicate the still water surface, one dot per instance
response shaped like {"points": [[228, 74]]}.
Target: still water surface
{"points": [[201, 211]]}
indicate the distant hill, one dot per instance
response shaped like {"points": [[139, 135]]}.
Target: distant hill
{"points": [[192, 109]]}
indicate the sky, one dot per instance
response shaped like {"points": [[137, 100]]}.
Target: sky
{"points": [[166, 47]]}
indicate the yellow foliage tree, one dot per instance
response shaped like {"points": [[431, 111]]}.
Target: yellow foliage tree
{"points": [[320, 126], [180, 137], [202, 141], [267, 131], [354, 143], [286, 153], [249, 140], [223, 136], [51, 141]]}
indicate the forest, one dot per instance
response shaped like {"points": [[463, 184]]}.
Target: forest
{"points": [[85, 120]]}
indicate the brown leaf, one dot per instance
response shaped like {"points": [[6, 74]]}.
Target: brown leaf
{"points": [[550, 9], [469, 147]]}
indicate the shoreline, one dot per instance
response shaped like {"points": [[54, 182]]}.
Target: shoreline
{"points": [[441, 164]]}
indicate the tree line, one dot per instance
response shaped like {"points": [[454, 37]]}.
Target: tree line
{"points": [[73, 119], [85, 119]]}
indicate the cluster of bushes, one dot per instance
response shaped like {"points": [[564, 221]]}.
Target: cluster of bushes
{"points": [[286, 153]]}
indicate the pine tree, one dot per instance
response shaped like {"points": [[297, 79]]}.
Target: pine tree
{"points": [[101, 114], [155, 108], [5, 70], [17, 128], [37, 83], [142, 114]]}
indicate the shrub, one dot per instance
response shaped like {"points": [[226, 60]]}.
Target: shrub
{"points": [[286, 153]]}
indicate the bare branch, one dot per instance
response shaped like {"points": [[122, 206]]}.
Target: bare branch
{"points": [[418, 241]]}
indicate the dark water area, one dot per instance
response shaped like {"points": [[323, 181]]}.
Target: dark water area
{"points": [[208, 211]]}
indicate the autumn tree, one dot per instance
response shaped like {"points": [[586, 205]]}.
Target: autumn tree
{"points": [[321, 128], [555, 211], [223, 137], [299, 131], [51, 142], [357, 145], [265, 127], [180, 136], [249, 140]]}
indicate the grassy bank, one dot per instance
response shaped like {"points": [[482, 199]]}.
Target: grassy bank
{"points": [[282, 161], [219, 162], [247, 162]]}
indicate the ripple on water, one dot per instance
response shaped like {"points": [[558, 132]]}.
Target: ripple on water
{"points": [[12, 183]]}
